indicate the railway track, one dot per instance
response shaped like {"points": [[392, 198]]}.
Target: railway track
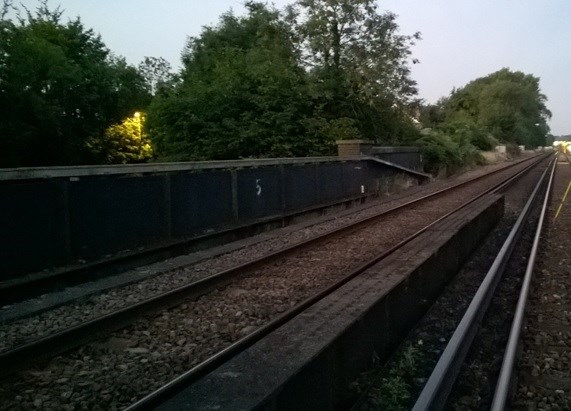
{"points": [[543, 379], [435, 393], [52, 286], [354, 234]]}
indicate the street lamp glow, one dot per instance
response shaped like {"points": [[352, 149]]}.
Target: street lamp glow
{"points": [[138, 119]]}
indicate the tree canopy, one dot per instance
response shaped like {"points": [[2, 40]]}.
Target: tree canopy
{"points": [[273, 85], [157, 73], [241, 94], [125, 142], [357, 47], [507, 104], [266, 84], [59, 87], [358, 66], [503, 107]]}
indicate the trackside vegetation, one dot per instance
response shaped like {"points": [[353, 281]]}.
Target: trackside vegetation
{"points": [[268, 83]]}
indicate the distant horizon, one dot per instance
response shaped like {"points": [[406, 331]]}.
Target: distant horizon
{"points": [[461, 41]]}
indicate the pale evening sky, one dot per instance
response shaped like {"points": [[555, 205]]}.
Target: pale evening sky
{"points": [[462, 39]]}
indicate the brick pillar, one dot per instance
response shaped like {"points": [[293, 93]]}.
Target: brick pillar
{"points": [[353, 147]]}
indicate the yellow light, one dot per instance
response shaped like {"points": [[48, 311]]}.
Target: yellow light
{"points": [[137, 114]]}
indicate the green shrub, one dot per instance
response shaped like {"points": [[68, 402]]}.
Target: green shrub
{"points": [[470, 132], [442, 152]]}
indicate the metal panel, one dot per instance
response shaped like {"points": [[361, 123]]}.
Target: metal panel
{"points": [[59, 220], [354, 176], [259, 193], [300, 184], [32, 224], [199, 201], [405, 159], [380, 177], [330, 177], [112, 214]]}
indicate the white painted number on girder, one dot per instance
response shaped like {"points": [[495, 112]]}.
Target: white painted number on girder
{"points": [[258, 187]]}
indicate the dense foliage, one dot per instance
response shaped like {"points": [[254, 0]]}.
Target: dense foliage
{"points": [[241, 94], [267, 84], [358, 66], [448, 151], [507, 104], [504, 107], [59, 87], [125, 142], [262, 85]]}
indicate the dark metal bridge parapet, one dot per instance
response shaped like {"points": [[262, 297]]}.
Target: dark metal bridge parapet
{"points": [[55, 216]]}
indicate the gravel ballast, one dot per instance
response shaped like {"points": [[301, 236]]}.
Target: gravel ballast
{"points": [[118, 370], [360, 247], [545, 366], [397, 384]]}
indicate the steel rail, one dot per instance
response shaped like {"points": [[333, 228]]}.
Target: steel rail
{"points": [[56, 343], [506, 371], [436, 390], [182, 381]]}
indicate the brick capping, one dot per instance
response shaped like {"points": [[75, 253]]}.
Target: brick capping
{"points": [[354, 147]]}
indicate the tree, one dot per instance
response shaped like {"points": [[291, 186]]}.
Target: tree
{"points": [[507, 104], [157, 73], [242, 94], [359, 64], [350, 38], [125, 142], [432, 115], [58, 89], [130, 87], [504, 106]]}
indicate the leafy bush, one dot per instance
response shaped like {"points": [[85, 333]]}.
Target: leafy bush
{"points": [[343, 128], [125, 142], [467, 130], [442, 152]]}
